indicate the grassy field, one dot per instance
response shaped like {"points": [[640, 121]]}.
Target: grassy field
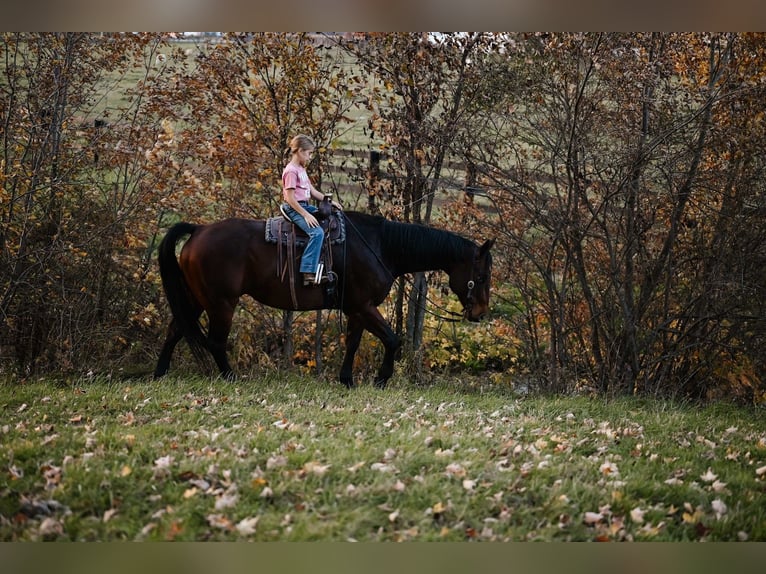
{"points": [[297, 459]]}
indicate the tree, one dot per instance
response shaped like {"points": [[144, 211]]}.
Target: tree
{"points": [[422, 84], [599, 156], [61, 223]]}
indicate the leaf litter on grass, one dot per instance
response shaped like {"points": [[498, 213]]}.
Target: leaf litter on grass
{"points": [[292, 460]]}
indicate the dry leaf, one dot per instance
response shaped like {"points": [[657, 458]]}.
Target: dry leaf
{"points": [[380, 467], [637, 515], [593, 517], [719, 507], [246, 526], [226, 500], [219, 521], [316, 468], [454, 469], [709, 476]]}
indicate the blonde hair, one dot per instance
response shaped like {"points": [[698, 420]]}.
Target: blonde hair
{"points": [[298, 143]]}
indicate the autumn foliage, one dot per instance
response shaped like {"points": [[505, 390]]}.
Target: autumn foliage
{"points": [[622, 175]]}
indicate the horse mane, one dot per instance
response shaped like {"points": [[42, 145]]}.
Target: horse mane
{"points": [[413, 246]]}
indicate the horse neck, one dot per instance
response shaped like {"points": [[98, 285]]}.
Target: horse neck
{"points": [[411, 248]]}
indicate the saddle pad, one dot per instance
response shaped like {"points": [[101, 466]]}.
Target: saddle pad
{"points": [[278, 228]]}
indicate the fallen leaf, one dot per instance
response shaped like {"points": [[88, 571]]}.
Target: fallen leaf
{"points": [[709, 476], [219, 521], [50, 527], [719, 507], [454, 469], [276, 461], [163, 462], [315, 468], [109, 514], [226, 500], [593, 517], [718, 486], [380, 467], [637, 515], [246, 526], [609, 469], [126, 470]]}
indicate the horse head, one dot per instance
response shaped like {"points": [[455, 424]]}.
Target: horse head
{"points": [[470, 280]]}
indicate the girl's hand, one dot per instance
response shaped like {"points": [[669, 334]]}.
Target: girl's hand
{"points": [[311, 221], [337, 206]]}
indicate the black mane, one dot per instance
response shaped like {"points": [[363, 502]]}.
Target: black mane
{"points": [[410, 247]]}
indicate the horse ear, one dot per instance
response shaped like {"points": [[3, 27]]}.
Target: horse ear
{"points": [[484, 249]]}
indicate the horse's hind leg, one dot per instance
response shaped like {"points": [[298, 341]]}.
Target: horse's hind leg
{"points": [[174, 335], [219, 326]]}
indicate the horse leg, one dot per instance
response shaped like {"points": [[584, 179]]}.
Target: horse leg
{"points": [[354, 331], [378, 326], [219, 326], [171, 340]]}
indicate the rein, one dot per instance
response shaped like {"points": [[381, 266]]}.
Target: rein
{"points": [[455, 317]]}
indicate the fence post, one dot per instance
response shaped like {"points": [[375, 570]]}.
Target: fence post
{"points": [[470, 180], [373, 179]]}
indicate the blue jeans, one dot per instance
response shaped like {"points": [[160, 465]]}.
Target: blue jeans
{"points": [[310, 258]]}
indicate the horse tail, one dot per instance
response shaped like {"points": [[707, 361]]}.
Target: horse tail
{"points": [[183, 304]]}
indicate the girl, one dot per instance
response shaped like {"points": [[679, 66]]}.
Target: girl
{"points": [[298, 191]]}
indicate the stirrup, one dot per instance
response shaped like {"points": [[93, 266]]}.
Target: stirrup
{"points": [[309, 279]]}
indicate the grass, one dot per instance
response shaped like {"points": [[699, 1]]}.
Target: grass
{"points": [[296, 459]]}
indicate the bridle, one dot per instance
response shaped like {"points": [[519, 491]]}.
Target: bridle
{"points": [[469, 298]]}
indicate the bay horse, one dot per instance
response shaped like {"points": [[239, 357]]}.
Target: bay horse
{"points": [[222, 261]]}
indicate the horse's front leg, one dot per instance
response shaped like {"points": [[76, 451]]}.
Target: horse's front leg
{"points": [[378, 326], [354, 331]]}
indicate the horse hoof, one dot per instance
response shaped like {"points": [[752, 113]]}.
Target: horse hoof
{"points": [[348, 383], [381, 383]]}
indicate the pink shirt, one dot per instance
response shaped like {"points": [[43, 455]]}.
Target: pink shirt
{"points": [[296, 177]]}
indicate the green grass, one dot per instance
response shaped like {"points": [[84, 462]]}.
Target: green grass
{"points": [[297, 459]]}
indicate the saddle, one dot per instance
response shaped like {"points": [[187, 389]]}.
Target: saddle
{"points": [[281, 230], [291, 240]]}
